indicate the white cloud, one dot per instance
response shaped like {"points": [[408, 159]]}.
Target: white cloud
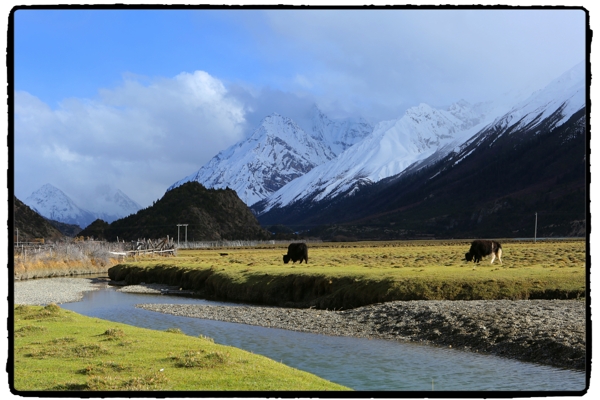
{"points": [[139, 138], [393, 59]]}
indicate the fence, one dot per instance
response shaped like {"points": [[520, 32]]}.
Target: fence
{"points": [[236, 243], [66, 250], [144, 247], [84, 250]]}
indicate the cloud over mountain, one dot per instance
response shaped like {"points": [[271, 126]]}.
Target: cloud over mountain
{"points": [[149, 130], [139, 98]]}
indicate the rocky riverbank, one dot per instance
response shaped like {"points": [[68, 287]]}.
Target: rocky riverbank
{"points": [[551, 332], [60, 290]]}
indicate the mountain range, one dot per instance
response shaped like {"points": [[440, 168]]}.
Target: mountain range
{"points": [[423, 136], [284, 161], [389, 149], [53, 204], [530, 160], [298, 177], [278, 152], [480, 169]]}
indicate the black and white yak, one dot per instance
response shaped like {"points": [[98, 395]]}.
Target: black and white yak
{"points": [[296, 251], [483, 248]]}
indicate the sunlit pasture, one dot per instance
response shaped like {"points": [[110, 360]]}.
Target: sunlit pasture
{"points": [[403, 270]]}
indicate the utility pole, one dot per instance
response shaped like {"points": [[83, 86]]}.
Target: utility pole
{"points": [[178, 225], [535, 231]]}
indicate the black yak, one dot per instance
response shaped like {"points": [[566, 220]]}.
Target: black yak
{"points": [[482, 248], [296, 251]]}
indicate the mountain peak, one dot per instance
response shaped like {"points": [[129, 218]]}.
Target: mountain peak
{"points": [[422, 108], [49, 188], [54, 204], [315, 112], [274, 116], [338, 134], [460, 105], [278, 151], [278, 119]]}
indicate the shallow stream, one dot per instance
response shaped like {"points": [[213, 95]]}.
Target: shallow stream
{"points": [[361, 364]]}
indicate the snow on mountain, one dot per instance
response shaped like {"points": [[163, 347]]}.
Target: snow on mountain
{"points": [[277, 152], [424, 135], [554, 104], [474, 118], [54, 204], [565, 94], [337, 134], [388, 150]]}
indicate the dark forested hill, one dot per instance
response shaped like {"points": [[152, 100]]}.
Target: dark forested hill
{"points": [[95, 230], [210, 214], [31, 225]]}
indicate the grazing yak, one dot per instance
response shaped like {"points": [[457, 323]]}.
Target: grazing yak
{"points": [[482, 248], [296, 251]]}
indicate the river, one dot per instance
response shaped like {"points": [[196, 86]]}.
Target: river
{"points": [[361, 364]]}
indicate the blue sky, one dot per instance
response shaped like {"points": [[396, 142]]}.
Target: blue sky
{"points": [[139, 99], [86, 50]]}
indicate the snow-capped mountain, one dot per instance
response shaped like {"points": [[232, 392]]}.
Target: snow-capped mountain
{"points": [[529, 159], [425, 135], [391, 148], [54, 204], [276, 153]]}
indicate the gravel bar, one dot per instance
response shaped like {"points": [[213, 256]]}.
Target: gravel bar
{"points": [[550, 332], [44, 291]]}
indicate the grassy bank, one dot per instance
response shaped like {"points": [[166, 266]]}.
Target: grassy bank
{"points": [[346, 275], [59, 350]]}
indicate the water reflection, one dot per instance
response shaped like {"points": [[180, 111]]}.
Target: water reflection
{"points": [[361, 364]]}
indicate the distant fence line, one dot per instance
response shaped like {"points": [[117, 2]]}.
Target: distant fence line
{"points": [[237, 243], [99, 248], [68, 245], [32, 245]]}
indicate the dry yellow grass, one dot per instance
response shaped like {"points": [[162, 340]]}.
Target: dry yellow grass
{"points": [[62, 259]]}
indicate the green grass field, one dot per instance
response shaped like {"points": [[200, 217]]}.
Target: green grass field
{"points": [[59, 350], [344, 275]]}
